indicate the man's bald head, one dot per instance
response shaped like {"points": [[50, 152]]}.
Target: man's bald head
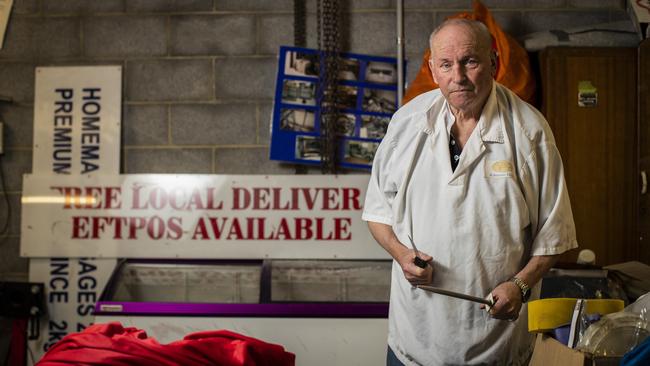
{"points": [[476, 28]]}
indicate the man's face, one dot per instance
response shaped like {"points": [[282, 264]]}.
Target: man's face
{"points": [[462, 67]]}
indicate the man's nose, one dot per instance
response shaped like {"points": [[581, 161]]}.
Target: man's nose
{"points": [[458, 73]]}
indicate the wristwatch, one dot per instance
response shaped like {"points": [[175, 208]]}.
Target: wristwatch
{"points": [[523, 287]]}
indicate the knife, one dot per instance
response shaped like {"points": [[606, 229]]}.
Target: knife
{"points": [[489, 301], [417, 261]]}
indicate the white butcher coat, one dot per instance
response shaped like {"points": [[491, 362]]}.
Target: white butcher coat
{"points": [[505, 202]]}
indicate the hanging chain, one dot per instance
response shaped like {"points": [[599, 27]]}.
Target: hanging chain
{"points": [[318, 24], [329, 48], [299, 23], [300, 40]]}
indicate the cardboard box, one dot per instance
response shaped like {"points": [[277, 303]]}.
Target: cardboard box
{"points": [[548, 352]]}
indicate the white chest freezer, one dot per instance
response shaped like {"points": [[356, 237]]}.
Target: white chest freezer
{"points": [[327, 312]]}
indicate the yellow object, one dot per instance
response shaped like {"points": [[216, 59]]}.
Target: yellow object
{"points": [[548, 314]]}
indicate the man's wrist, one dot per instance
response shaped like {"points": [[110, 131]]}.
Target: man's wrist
{"points": [[523, 288]]}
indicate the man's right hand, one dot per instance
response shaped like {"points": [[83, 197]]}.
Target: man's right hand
{"points": [[414, 274], [405, 256]]}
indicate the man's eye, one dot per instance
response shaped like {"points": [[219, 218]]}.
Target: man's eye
{"points": [[445, 66], [471, 62]]}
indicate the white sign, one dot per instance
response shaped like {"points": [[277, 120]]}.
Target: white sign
{"points": [[76, 131], [77, 119], [196, 216], [5, 11], [72, 285]]}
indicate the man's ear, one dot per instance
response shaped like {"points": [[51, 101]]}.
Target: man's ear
{"points": [[493, 62], [433, 75]]}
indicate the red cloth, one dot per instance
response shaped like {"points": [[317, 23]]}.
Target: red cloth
{"points": [[18, 345], [112, 344]]}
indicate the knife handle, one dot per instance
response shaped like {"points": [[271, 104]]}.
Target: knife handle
{"points": [[420, 262]]}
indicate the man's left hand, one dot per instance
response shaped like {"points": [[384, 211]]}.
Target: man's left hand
{"points": [[507, 301]]}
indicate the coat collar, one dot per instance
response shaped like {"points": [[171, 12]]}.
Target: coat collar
{"points": [[490, 124]]}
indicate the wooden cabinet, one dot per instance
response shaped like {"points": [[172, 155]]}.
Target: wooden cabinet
{"points": [[598, 143], [644, 149]]}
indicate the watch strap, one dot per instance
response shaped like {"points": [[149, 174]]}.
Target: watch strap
{"points": [[523, 287]]}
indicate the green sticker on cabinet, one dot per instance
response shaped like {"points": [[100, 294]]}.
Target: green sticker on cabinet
{"points": [[587, 94]]}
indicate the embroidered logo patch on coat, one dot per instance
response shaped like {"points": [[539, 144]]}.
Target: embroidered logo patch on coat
{"points": [[500, 168]]}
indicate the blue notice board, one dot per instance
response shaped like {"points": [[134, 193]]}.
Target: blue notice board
{"points": [[367, 99]]}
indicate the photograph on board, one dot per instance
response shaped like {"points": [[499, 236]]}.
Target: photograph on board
{"points": [[349, 69], [297, 120], [345, 124], [373, 127], [381, 72], [347, 97], [299, 92], [301, 64], [308, 148], [359, 152], [379, 100]]}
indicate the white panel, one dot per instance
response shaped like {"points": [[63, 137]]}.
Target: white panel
{"points": [[73, 108]]}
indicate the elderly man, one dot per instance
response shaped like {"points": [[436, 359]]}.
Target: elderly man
{"points": [[472, 174]]}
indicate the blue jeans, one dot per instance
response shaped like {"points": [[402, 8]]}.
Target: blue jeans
{"points": [[391, 359]]}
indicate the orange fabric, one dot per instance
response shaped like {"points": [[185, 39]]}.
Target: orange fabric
{"points": [[513, 67]]}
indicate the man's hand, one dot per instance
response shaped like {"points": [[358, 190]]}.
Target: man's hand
{"points": [[507, 301], [386, 237], [414, 274]]}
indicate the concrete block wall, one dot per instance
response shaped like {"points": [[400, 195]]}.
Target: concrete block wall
{"points": [[199, 75]]}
